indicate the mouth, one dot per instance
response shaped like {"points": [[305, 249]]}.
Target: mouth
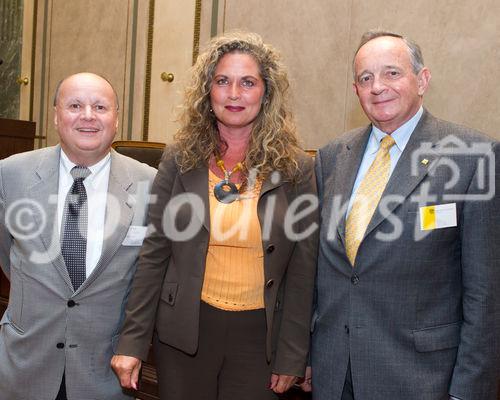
{"points": [[379, 102], [234, 108], [87, 130]]}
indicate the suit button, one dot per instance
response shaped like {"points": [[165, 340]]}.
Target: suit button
{"points": [[71, 303], [60, 345], [270, 249], [346, 328], [270, 283], [354, 279]]}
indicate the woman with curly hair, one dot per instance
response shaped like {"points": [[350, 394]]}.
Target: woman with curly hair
{"points": [[224, 284]]}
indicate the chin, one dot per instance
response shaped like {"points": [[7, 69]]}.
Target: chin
{"points": [[384, 115]]}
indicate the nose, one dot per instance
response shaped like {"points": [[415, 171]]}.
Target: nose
{"points": [[378, 85], [87, 112], [234, 91]]}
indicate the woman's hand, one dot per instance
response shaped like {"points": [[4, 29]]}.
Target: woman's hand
{"points": [[281, 383], [306, 382], [127, 369]]}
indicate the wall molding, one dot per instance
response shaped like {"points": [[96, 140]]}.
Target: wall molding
{"points": [[147, 80], [149, 59]]}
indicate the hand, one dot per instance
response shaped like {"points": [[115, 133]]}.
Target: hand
{"points": [[127, 369], [281, 383], [306, 382]]}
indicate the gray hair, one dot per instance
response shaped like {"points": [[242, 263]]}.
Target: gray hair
{"points": [[58, 89], [416, 58]]}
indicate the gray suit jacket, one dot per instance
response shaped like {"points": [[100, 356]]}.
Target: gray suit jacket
{"points": [[418, 316], [44, 313]]}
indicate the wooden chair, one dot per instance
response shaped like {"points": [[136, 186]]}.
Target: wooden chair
{"points": [[146, 152]]}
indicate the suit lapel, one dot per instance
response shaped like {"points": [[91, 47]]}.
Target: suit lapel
{"points": [[347, 165], [270, 183], [196, 181], [267, 208], [44, 191], [410, 170], [118, 216]]}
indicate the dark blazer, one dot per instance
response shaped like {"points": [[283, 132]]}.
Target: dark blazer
{"points": [[418, 315], [167, 285]]}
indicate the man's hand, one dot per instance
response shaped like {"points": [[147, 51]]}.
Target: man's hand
{"points": [[281, 383], [127, 369], [306, 383]]}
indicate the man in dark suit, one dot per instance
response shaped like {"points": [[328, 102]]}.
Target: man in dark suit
{"points": [[409, 263], [72, 220]]}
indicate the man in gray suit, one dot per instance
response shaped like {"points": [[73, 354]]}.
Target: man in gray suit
{"points": [[72, 219], [409, 264]]}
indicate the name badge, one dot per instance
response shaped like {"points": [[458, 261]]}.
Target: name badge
{"points": [[438, 216], [135, 236]]}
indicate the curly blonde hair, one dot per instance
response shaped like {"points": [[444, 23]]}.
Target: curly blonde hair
{"points": [[273, 144]]}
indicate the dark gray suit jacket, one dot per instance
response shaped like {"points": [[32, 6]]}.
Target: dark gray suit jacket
{"points": [[167, 286], [44, 312], [418, 316]]}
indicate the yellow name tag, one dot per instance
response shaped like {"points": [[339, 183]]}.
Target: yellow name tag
{"points": [[438, 216]]}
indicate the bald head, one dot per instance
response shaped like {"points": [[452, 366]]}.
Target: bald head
{"points": [[86, 117], [414, 51], [84, 74]]}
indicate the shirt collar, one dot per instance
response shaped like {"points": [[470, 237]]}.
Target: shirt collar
{"points": [[95, 169], [401, 135]]}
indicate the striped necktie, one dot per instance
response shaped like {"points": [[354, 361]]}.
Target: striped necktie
{"points": [[367, 198]]}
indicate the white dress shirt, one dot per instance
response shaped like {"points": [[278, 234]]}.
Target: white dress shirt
{"points": [[96, 185]]}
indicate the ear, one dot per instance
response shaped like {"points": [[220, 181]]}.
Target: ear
{"points": [[355, 88], [423, 79], [55, 116]]}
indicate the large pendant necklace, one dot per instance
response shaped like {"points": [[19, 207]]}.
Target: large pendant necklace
{"points": [[226, 191]]}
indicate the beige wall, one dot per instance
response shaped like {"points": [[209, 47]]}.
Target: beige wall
{"points": [[460, 42], [110, 37], [172, 52], [96, 36]]}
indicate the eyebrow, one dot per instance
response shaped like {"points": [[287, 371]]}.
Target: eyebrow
{"points": [[243, 77], [391, 67], [364, 72], [385, 67], [95, 102]]}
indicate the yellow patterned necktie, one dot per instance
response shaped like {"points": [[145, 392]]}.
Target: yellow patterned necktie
{"points": [[367, 198]]}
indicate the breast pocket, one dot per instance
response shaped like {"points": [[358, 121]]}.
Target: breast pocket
{"points": [[431, 244]]}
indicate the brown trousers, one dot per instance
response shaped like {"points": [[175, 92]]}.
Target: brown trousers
{"points": [[230, 363]]}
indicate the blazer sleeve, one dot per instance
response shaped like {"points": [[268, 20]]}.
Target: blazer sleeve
{"points": [[475, 375], [5, 237], [140, 311], [318, 169], [294, 332]]}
